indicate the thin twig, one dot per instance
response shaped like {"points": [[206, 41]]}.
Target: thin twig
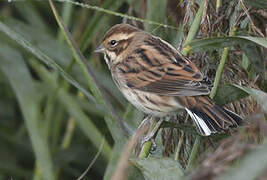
{"points": [[68, 134], [118, 14], [93, 161], [205, 9]]}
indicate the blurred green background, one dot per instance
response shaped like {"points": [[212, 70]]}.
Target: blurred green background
{"points": [[54, 120]]}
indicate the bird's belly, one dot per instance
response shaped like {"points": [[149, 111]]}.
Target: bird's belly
{"points": [[150, 103]]}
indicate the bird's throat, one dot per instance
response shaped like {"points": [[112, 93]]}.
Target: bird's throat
{"points": [[108, 60]]}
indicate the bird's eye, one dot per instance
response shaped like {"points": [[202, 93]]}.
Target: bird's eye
{"points": [[113, 42]]}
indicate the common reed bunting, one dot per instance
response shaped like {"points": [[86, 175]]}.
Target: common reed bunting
{"points": [[158, 80]]}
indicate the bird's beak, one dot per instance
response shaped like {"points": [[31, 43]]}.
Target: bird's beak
{"points": [[99, 49]]}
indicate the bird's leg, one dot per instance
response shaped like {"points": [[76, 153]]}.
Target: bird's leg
{"points": [[144, 122], [154, 127], [153, 145]]}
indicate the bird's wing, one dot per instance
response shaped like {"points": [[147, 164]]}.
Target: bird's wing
{"points": [[162, 70]]}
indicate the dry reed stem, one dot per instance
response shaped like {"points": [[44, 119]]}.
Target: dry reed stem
{"points": [[123, 163], [255, 29]]}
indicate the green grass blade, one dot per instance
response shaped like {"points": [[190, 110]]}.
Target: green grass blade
{"points": [[155, 12], [15, 69], [220, 42], [88, 73], [228, 93], [115, 155], [66, 16], [259, 96], [193, 154], [97, 21], [111, 12], [219, 72], [71, 106], [258, 40], [159, 168], [43, 57], [250, 46], [257, 3], [14, 170], [31, 15]]}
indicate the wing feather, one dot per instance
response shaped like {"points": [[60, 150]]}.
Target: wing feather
{"points": [[167, 73]]}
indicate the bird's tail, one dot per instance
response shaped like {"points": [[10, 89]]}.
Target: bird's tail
{"points": [[209, 117]]}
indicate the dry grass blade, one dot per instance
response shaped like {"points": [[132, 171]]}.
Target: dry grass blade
{"points": [[255, 29]]}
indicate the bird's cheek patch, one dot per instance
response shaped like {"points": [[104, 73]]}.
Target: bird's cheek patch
{"points": [[112, 56]]}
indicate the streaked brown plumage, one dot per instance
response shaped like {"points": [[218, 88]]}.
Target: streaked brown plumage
{"points": [[157, 79]]}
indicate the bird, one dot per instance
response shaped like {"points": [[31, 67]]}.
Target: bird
{"points": [[158, 80]]}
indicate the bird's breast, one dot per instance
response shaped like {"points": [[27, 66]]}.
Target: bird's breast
{"points": [[151, 103]]}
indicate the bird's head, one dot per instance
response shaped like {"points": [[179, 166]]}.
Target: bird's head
{"points": [[116, 41]]}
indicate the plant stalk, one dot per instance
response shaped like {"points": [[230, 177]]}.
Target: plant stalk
{"points": [[220, 68], [193, 29], [193, 154], [181, 140], [218, 5]]}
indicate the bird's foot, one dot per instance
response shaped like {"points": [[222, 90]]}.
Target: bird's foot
{"points": [[151, 135]]}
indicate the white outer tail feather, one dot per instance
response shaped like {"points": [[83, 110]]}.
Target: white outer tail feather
{"points": [[201, 125]]}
